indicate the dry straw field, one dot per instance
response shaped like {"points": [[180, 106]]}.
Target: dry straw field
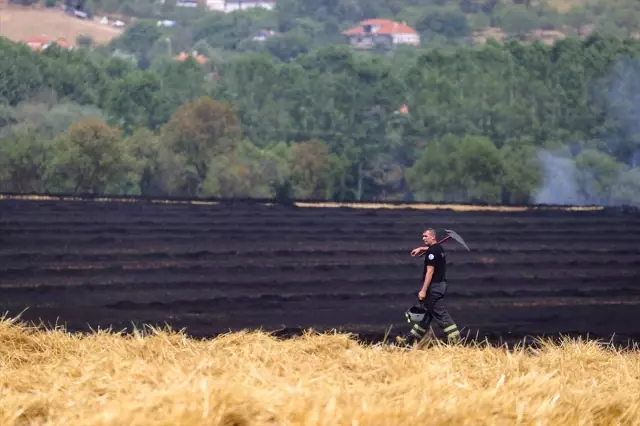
{"points": [[160, 377]]}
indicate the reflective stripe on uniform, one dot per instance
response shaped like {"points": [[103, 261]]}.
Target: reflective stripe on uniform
{"points": [[450, 328], [416, 333], [453, 334], [417, 327]]}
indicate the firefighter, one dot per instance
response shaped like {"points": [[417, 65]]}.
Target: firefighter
{"points": [[431, 295]]}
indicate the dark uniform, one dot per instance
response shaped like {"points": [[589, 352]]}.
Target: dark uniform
{"points": [[433, 302]]}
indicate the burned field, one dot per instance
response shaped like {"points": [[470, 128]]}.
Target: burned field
{"points": [[219, 268]]}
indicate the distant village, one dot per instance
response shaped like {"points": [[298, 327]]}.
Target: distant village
{"points": [[368, 34]]}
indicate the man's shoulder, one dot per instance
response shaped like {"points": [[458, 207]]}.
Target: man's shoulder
{"points": [[435, 251], [432, 251], [435, 248]]}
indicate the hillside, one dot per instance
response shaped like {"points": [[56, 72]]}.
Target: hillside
{"points": [[18, 23]]}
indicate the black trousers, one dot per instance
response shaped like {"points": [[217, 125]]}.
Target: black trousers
{"points": [[434, 302], [436, 310]]}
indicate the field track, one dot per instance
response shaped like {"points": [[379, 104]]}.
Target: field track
{"points": [[20, 23], [217, 267]]}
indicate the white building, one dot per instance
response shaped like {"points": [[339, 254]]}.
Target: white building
{"points": [[217, 5], [231, 5], [187, 3], [381, 31]]}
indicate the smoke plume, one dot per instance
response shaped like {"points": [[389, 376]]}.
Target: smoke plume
{"points": [[559, 184], [611, 178]]}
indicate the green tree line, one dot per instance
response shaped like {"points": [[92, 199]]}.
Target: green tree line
{"points": [[491, 123]]}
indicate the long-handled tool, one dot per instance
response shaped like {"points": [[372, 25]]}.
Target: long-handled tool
{"points": [[450, 234], [455, 236]]}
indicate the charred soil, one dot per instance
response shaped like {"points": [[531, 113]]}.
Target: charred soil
{"points": [[218, 268]]}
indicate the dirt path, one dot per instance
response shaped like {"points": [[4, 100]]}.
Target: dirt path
{"points": [[21, 23]]}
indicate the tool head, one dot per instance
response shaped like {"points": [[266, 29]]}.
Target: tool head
{"points": [[456, 237]]}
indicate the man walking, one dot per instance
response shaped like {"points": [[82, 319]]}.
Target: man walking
{"points": [[434, 287]]}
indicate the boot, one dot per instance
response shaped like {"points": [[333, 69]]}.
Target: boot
{"points": [[415, 335]]}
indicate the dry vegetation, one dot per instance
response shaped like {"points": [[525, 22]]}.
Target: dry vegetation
{"points": [[434, 206], [303, 204], [51, 377], [19, 23]]}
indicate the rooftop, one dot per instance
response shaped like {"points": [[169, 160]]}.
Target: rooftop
{"points": [[382, 27], [184, 55], [43, 41]]}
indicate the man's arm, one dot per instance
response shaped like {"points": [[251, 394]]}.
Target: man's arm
{"points": [[419, 251], [427, 281]]}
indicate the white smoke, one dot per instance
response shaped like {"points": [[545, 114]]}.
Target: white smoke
{"points": [[560, 185], [566, 184]]}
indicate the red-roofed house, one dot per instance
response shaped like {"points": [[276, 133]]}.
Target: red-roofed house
{"points": [[184, 55], [381, 31], [41, 42]]}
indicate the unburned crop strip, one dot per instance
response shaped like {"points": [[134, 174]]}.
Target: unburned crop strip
{"points": [[160, 377]]}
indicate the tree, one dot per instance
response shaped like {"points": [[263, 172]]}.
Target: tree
{"points": [[249, 171], [519, 20], [522, 173], [85, 41], [429, 179], [597, 175], [468, 169], [138, 39], [310, 169], [446, 21], [90, 157], [24, 158], [147, 156], [21, 71], [197, 132], [134, 100], [478, 169]]}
